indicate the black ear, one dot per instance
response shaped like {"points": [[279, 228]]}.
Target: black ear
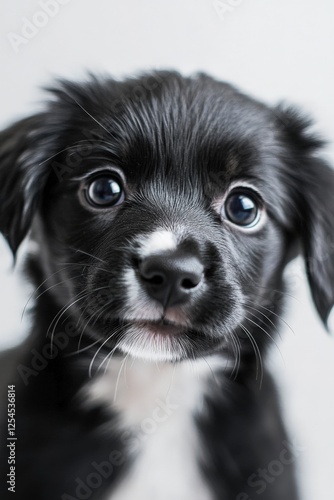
{"points": [[317, 233], [313, 190], [23, 171]]}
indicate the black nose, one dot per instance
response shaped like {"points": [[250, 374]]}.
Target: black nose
{"points": [[171, 278]]}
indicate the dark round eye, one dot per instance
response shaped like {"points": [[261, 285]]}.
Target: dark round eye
{"points": [[242, 207], [105, 191]]}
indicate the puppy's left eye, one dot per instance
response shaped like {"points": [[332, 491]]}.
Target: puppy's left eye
{"points": [[105, 191], [243, 208]]}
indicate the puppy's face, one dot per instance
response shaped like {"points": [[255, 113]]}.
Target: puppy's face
{"points": [[167, 210]]}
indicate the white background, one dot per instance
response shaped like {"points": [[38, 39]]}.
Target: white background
{"points": [[272, 49]]}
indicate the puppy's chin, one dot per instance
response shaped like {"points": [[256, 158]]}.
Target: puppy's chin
{"points": [[154, 342], [158, 342]]}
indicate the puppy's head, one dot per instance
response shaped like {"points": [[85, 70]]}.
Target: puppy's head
{"points": [[165, 210]]}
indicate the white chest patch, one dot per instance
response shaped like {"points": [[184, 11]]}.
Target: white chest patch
{"points": [[156, 405]]}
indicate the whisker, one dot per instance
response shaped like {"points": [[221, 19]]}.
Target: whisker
{"points": [[91, 317], [58, 153], [280, 292], [78, 250], [277, 316], [171, 380], [91, 116], [264, 315], [119, 375], [101, 310], [81, 315], [211, 370], [75, 146], [64, 308], [79, 351], [56, 284], [111, 353], [97, 352], [268, 335], [36, 289], [108, 357], [89, 265], [60, 315], [257, 352], [238, 355]]}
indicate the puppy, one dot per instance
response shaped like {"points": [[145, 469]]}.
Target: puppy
{"points": [[161, 211]]}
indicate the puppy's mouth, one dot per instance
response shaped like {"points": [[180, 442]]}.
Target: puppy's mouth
{"points": [[158, 339], [161, 327]]}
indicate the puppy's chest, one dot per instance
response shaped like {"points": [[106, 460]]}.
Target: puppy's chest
{"points": [[156, 406]]}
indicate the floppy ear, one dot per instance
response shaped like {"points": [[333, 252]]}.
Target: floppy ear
{"points": [[317, 233], [23, 148], [314, 199]]}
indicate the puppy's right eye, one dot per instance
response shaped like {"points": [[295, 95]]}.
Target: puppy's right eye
{"points": [[104, 191]]}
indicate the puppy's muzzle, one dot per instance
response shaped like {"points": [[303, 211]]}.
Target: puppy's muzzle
{"points": [[171, 278]]}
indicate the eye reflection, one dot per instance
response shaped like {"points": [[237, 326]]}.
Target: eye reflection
{"points": [[242, 207]]}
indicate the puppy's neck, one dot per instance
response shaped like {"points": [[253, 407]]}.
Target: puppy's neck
{"points": [[137, 389]]}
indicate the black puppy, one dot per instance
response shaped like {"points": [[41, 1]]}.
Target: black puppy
{"points": [[163, 211]]}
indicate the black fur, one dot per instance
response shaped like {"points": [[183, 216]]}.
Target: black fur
{"points": [[180, 142]]}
